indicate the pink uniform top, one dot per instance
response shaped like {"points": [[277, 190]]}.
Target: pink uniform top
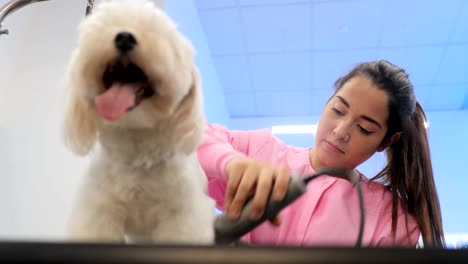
{"points": [[328, 214]]}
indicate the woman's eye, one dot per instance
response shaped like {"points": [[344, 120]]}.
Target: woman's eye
{"points": [[364, 131], [338, 112]]}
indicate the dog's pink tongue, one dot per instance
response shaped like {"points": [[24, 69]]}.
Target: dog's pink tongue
{"points": [[116, 101]]}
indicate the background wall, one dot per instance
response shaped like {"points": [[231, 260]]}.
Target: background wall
{"points": [[39, 176]]}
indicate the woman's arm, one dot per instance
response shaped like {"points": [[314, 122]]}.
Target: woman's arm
{"points": [[217, 148], [251, 170]]}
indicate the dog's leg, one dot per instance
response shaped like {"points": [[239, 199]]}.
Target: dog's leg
{"points": [[194, 223], [97, 218], [192, 226]]}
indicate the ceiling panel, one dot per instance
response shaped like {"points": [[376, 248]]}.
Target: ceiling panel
{"points": [[282, 103], [233, 73], [423, 95], [447, 97], [454, 65], [288, 53], [465, 102], [346, 24], [419, 22], [208, 4], [223, 30], [327, 67], [281, 72], [270, 2], [460, 33], [276, 28], [421, 63], [241, 104], [318, 99]]}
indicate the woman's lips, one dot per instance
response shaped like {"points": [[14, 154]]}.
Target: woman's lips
{"points": [[332, 147]]}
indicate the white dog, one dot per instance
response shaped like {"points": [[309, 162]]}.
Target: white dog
{"points": [[135, 94]]}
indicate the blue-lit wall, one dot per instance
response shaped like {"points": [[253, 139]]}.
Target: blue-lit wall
{"points": [[185, 14]]}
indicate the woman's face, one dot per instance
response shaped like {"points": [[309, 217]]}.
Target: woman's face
{"points": [[352, 126]]}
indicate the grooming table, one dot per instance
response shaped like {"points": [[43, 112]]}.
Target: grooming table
{"points": [[39, 252]]}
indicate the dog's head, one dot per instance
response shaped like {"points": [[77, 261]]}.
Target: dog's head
{"points": [[132, 69]]}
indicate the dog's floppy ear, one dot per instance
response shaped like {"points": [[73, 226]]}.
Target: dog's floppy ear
{"points": [[192, 114], [79, 126]]}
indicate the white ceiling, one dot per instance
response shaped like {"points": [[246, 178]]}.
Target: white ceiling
{"points": [[281, 57]]}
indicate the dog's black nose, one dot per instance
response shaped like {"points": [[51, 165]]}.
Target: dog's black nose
{"points": [[125, 42]]}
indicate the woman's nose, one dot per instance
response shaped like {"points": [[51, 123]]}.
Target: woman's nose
{"points": [[342, 130]]}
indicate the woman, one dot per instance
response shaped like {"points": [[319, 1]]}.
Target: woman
{"points": [[373, 109]]}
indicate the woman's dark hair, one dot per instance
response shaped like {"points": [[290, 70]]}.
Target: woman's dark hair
{"points": [[408, 173]]}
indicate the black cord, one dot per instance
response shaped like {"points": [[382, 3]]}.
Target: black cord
{"points": [[362, 222], [346, 174], [89, 7]]}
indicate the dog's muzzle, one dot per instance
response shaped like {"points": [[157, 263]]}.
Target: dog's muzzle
{"points": [[125, 84], [125, 42]]}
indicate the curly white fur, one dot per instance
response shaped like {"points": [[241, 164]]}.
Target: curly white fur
{"points": [[144, 181]]}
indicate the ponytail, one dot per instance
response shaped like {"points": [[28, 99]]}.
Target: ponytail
{"points": [[410, 178], [408, 173]]}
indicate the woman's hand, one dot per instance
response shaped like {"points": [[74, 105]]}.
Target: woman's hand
{"points": [[247, 177]]}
